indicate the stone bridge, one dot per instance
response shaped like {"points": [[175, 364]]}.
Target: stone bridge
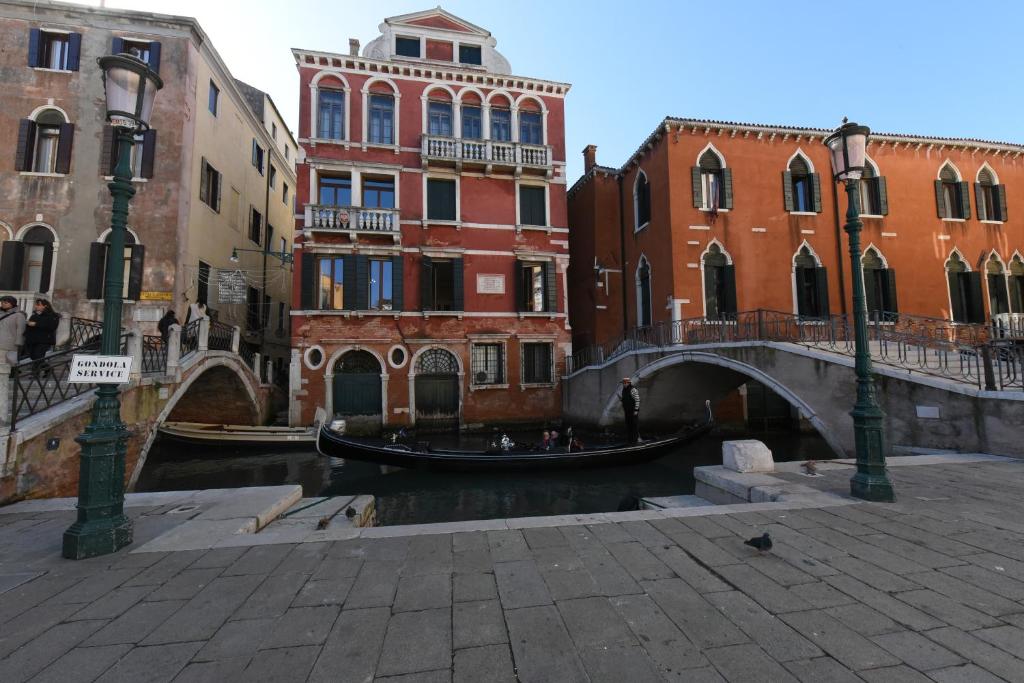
{"points": [[204, 373], [922, 409]]}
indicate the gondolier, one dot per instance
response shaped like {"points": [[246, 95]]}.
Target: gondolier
{"points": [[630, 398]]}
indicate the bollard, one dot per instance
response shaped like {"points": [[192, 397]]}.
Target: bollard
{"points": [[204, 333], [236, 338], [135, 351], [174, 351]]}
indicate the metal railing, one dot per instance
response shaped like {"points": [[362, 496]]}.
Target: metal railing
{"points": [[154, 355], [190, 338], [220, 337], [248, 352], [84, 332]]}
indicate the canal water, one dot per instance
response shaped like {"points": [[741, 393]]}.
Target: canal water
{"points": [[416, 497]]}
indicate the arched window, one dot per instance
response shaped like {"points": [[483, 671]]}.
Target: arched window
{"points": [[643, 293], [712, 182], [641, 201], [439, 113], [380, 112], [998, 294], [879, 286], [133, 259], [501, 118], [330, 114], [801, 188], [990, 196], [531, 123], [719, 284], [964, 291], [26, 265], [810, 282], [951, 197], [874, 199], [44, 143], [472, 116], [1016, 284]]}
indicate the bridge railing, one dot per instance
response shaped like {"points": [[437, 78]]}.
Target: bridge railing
{"points": [[154, 355], [221, 335], [190, 338]]}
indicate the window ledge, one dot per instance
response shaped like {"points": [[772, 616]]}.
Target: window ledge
{"points": [[379, 145], [537, 385], [481, 387], [954, 220], [52, 71], [871, 215], [542, 228], [40, 174], [427, 222], [134, 180], [803, 213], [707, 209], [988, 222], [329, 141], [641, 227], [534, 314], [443, 314]]}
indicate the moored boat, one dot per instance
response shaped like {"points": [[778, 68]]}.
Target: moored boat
{"points": [[220, 434]]}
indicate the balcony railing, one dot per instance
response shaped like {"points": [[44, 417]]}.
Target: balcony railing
{"points": [[485, 152], [353, 220]]}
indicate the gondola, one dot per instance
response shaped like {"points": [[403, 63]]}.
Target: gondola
{"points": [[331, 443]]}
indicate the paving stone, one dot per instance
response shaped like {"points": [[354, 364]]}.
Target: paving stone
{"points": [[896, 610], [200, 618], [469, 540], [169, 566], [917, 651], [667, 646], [966, 593], [157, 663], [580, 537], [218, 557], [374, 586], [1008, 638], [825, 518], [235, 639], [428, 555], [136, 623], [305, 558], [520, 584], [94, 587], [424, 591], [417, 641], [968, 673], [184, 586], [301, 626], [617, 663], [646, 534], [337, 568], [36, 655], [478, 623], [272, 597], [821, 595], [488, 663], [282, 664], [472, 560], [213, 672], [894, 674], [28, 595], [327, 592], [260, 559], [872, 575], [569, 584], [353, 646], [699, 578], [939, 543], [610, 533], [863, 619], [639, 562], [702, 623], [812, 547], [82, 664], [508, 545], [946, 610], [747, 663], [780, 571], [696, 545], [438, 676], [542, 647], [821, 669], [544, 537], [769, 594], [844, 644], [1000, 564], [994, 581], [594, 622], [32, 623], [866, 551], [777, 639], [472, 587], [608, 575]]}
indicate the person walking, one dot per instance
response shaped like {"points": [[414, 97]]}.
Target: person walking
{"points": [[170, 318], [41, 334], [630, 398], [12, 329]]}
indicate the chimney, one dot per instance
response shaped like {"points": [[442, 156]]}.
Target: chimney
{"points": [[589, 157], [353, 47]]}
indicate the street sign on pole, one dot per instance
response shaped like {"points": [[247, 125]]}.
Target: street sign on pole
{"points": [[88, 369]]}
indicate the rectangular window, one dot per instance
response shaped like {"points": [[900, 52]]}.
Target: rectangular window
{"points": [[470, 54], [379, 194], [284, 246], [138, 48], [531, 130], [988, 207], [214, 98], [331, 114], [439, 118], [382, 119], [501, 125], [257, 156], [531, 205], [203, 283], [252, 309], [380, 285], [284, 192], [45, 157], [55, 50], [442, 285], [335, 191], [441, 199], [803, 197], [273, 130], [532, 296], [332, 284], [280, 317], [255, 225], [407, 47], [711, 188], [273, 177], [536, 363], [209, 187], [870, 204], [472, 123], [488, 364]]}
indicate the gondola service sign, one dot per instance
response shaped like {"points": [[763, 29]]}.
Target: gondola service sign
{"points": [[86, 369]]}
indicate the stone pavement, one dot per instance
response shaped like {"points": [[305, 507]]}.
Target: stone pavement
{"points": [[928, 589]]}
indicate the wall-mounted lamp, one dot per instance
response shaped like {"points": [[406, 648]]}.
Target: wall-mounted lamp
{"points": [[283, 256]]}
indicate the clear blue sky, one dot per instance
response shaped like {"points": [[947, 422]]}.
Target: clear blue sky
{"points": [[928, 67]]}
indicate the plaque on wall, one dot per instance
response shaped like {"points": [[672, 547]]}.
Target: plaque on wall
{"points": [[490, 284], [156, 296], [231, 287]]}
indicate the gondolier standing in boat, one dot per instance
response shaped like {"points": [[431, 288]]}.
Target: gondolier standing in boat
{"points": [[631, 407]]}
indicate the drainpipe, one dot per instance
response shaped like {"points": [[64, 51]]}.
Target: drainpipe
{"points": [[266, 248], [839, 246], [622, 256]]}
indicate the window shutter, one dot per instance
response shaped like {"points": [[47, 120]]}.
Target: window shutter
{"points": [[116, 46], [107, 151], [254, 161], [729, 305], [517, 277], [550, 288], [26, 141], [698, 199], [870, 291], [362, 283], [148, 152], [891, 301], [307, 282], [204, 186], [12, 259], [64, 144], [220, 181], [74, 51], [426, 284], [1000, 192], [350, 288], [940, 205], [979, 199], [883, 196], [787, 190], [816, 183], [458, 295], [965, 199], [397, 282], [727, 188], [711, 307], [154, 56], [136, 271], [97, 265], [821, 285], [34, 42], [975, 305]]}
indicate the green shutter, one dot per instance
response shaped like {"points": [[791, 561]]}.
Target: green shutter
{"points": [[458, 284], [883, 196], [787, 190], [550, 288], [800, 283], [1000, 191], [940, 206], [65, 143], [350, 287], [12, 259], [975, 303], [979, 199], [871, 292], [135, 272], [729, 305], [1016, 283], [204, 185], [517, 278], [727, 188], [698, 199], [816, 184], [308, 279], [362, 283], [426, 284], [397, 282], [891, 301], [712, 306], [965, 199], [956, 297], [821, 285], [97, 265]]}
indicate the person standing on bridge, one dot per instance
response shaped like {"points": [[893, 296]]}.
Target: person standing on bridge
{"points": [[12, 329], [630, 398], [41, 334]]}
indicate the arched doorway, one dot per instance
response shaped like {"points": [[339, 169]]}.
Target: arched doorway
{"points": [[437, 389], [356, 386]]}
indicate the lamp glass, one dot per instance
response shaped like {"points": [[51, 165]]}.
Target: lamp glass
{"points": [[130, 87], [848, 151]]}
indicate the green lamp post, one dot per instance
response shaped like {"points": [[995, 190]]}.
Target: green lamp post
{"points": [[102, 527], [848, 148]]}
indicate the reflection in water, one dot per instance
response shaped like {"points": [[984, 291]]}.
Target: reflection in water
{"points": [[414, 497]]}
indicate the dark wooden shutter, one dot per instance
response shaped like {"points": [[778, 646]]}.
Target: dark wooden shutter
{"points": [[940, 205], [97, 266], [956, 300], [116, 46], [426, 284], [1000, 192], [710, 291], [154, 56], [517, 279], [979, 199], [12, 259], [816, 185], [74, 51], [204, 185], [362, 283], [136, 271], [550, 288], [892, 303], [350, 291], [965, 200], [975, 303], [698, 198], [26, 141], [397, 282], [220, 183], [726, 188], [458, 284], [254, 148], [787, 190], [107, 155], [64, 145], [34, 45], [46, 274], [883, 196], [871, 291], [729, 293], [148, 152], [821, 285], [307, 282]]}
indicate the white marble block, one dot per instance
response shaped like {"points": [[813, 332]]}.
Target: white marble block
{"points": [[747, 455]]}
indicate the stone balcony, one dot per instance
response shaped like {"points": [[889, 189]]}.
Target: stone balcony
{"points": [[486, 154], [354, 220]]}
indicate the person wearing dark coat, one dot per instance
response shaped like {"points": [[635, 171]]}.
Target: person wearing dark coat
{"points": [[630, 398], [165, 324], [41, 334]]}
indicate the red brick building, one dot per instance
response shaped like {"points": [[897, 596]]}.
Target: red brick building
{"points": [[708, 218], [431, 244]]}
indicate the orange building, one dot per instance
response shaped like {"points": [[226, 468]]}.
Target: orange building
{"points": [[709, 218]]}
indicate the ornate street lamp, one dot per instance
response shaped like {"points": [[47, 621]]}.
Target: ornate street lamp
{"points": [[102, 527], [848, 147]]}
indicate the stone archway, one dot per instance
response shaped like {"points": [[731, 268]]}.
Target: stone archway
{"points": [[356, 384]]}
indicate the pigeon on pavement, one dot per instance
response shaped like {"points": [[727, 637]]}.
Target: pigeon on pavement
{"points": [[763, 543]]}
